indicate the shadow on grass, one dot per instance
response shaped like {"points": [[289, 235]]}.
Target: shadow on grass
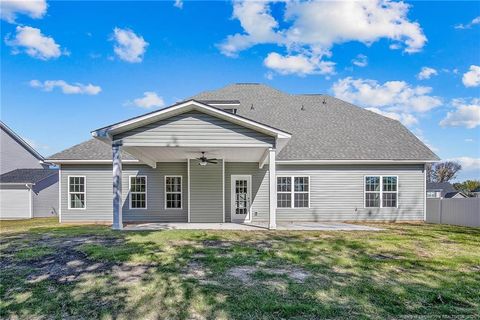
{"points": [[94, 273]]}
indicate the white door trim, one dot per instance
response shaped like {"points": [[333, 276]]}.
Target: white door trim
{"points": [[233, 177]]}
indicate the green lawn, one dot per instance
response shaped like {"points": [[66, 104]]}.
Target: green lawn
{"points": [[407, 271]]}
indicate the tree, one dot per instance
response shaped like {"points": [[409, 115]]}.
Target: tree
{"points": [[443, 171], [467, 186]]}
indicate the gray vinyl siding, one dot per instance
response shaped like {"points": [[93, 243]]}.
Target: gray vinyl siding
{"points": [[260, 188], [14, 202], [99, 193], [45, 197], [193, 129], [337, 193], [14, 156], [206, 194]]}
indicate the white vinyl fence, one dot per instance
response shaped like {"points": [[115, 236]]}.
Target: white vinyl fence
{"points": [[460, 212]]}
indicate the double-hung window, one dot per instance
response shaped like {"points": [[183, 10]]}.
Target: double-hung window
{"points": [[173, 192], [76, 192], [381, 192], [138, 192], [293, 192]]}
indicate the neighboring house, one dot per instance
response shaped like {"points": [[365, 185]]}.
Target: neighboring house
{"points": [[28, 188], [443, 190], [247, 153], [476, 193]]}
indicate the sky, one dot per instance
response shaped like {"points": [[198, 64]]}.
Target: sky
{"points": [[69, 67]]}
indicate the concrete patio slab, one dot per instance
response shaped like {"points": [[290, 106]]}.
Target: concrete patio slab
{"points": [[305, 226]]}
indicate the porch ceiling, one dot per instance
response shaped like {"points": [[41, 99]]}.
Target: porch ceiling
{"points": [[174, 154]]}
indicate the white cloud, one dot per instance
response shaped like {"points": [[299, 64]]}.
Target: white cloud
{"points": [[466, 114], [394, 99], [360, 60], [178, 4], [298, 64], [129, 46], [149, 100], [468, 25], [469, 140], [76, 88], [36, 145], [34, 43], [467, 163], [258, 26], [405, 118], [11, 8], [426, 73], [314, 27], [394, 95], [471, 78]]}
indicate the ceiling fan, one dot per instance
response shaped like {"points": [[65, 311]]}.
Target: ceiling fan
{"points": [[203, 160]]}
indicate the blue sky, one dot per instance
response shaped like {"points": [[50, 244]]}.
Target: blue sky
{"points": [[62, 76]]}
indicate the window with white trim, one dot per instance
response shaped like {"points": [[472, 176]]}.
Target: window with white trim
{"points": [[381, 191], [76, 192], [138, 192], [297, 196], [173, 192]]}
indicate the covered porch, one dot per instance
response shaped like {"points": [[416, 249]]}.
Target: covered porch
{"points": [[214, 145]]}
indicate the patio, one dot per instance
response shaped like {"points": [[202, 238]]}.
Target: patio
{"points": [[306, 226]]}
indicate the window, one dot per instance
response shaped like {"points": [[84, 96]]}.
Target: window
{"points": [[138, 192], [76, 193], [173, 192], [381, 191], [293, 197], [433, 194]]}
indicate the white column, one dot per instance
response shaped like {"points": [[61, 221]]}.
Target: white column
{"points": [[272, 217], [117, 187]]}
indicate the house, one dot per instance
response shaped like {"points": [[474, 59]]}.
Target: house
{"points": [[246, 153], [28, 188], [443, 190]]}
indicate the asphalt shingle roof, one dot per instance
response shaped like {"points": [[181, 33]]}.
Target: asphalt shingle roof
{"points": [[26, 175], [92, 149], [322, 127]]}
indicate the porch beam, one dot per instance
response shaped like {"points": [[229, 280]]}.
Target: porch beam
{"points": [[272, 217], [117, 187], [263, 159], [142, 157]]}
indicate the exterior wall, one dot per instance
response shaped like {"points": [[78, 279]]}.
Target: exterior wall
{"points": [[194, 129], [45, 197], [260, 201], [99, 193], [14, 156], [337, 193], [206, 192]]}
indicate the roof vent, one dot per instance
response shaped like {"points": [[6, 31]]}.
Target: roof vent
{"points": [[252, 107], [302, 108], [324, 101]]}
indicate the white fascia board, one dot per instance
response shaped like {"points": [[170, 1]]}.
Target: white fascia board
{"points": [[299, 162], [108, 132], [79, 161]]}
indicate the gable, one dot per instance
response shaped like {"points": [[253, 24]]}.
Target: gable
{"points": [[192, 129], [14, 155]]}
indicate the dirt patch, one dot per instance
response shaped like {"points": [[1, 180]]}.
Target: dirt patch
{"points": [[217, 244], [67, 263], [384, 256], [245, 273], [194, 270]]}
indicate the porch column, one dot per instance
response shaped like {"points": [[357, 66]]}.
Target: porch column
{"points": [[272, 217], [117, 187]]}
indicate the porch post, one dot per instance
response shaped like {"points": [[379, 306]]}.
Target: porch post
{"points": [[117, 187], [272, 217]]}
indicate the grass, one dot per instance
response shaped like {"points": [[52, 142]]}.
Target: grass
{"points": [[408, 270]]}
